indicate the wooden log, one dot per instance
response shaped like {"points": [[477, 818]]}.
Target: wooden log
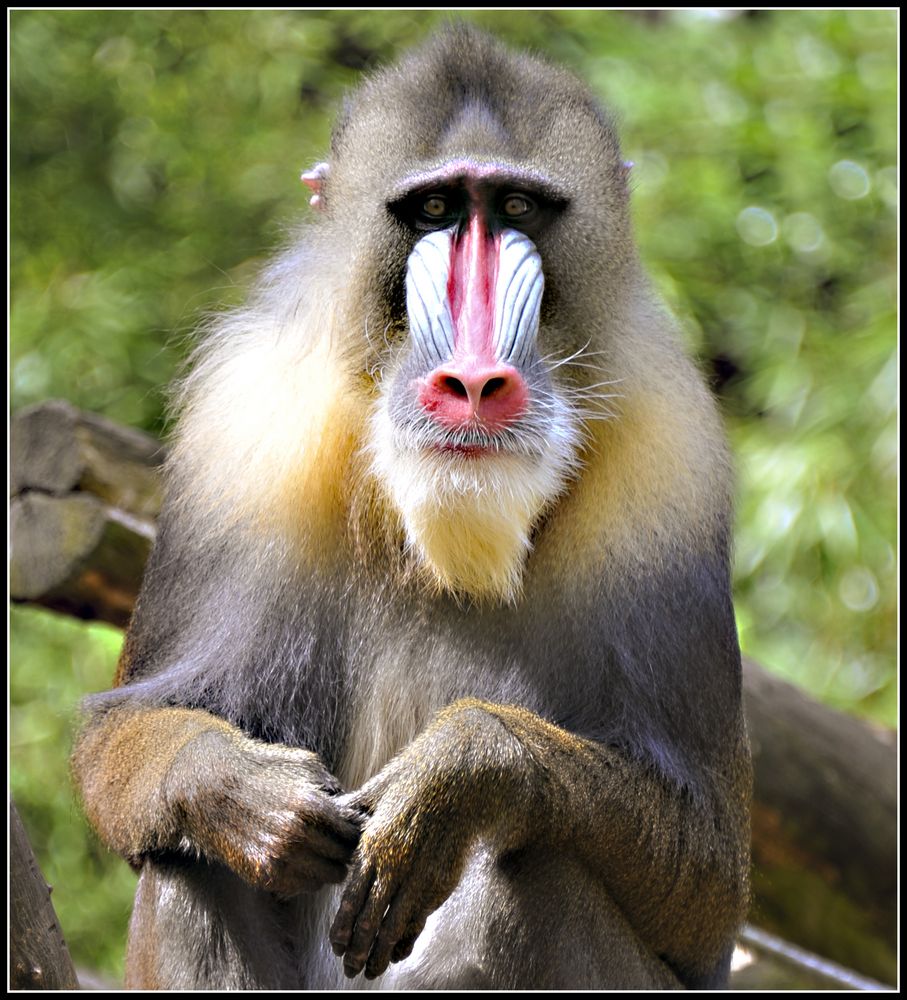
{"points": [[85, 495], [58, 449], [78, 555], [39, 958], [824, 826]]}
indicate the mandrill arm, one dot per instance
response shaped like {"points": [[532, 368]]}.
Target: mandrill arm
{"points": [[174, 780], [504, 774]]}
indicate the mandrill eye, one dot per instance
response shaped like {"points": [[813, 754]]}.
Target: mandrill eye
{"points": [[516, 206], [435, 206]]}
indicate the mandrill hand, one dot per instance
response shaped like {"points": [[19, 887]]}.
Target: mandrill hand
{"points": [[278, 818], [425, 809], [410, 858]]}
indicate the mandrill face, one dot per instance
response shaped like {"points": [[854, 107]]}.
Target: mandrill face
{"points": [[472, 438]]}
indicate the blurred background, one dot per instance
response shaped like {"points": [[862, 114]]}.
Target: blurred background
{"points": [[154, 161]]}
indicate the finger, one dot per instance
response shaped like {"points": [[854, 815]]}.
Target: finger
{"points": [[330, 784], [350, 821], [327, 844], [357, 889], [404, 947], [395, 923], [367, 924], [360, 803], [366, 798], [302, 873], [340, 822]]}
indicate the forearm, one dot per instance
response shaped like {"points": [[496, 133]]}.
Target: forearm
{"points": [[628, 823], [123, 765], [182, 780]]}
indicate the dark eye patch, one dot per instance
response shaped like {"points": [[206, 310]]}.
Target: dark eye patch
{"points": [[430, 209], [506, 204]]}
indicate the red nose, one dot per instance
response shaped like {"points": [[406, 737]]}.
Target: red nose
{"points": [[463, 394]]}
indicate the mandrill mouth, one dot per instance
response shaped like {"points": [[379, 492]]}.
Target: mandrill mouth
{"points": [[466, 450], [475, 440]]}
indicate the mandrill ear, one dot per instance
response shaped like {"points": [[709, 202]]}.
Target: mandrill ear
{"points": [[314, 179]]}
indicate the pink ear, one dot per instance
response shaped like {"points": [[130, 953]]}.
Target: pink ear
{"points": [[314, 179]]}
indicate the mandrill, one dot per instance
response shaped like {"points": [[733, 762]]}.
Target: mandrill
{"points": [[434, 675]]}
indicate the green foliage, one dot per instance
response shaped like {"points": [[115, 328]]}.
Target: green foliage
{"points": [[153, 158]]}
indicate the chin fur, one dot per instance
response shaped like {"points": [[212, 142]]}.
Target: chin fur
{"points": [[468, 518]]}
